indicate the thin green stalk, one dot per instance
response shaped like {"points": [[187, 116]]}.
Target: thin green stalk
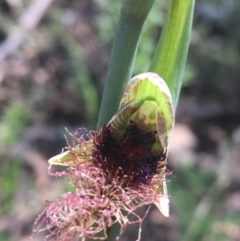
{"points": [[132, 17], [171, 52]]}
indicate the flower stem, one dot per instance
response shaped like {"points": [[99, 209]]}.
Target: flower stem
{"points": [[171, 52], [132, 17]]}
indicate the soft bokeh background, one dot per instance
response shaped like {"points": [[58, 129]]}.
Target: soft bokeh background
{"points": [[53, 62]]}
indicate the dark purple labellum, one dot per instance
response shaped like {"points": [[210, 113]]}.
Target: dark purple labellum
{"points": [[130, 157]]}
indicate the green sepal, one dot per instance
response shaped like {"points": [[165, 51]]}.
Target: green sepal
{"points": [[63, 159]]}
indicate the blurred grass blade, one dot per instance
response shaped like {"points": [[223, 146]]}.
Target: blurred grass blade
{"points": [[80, 76], [132, 17], [171, 52]]}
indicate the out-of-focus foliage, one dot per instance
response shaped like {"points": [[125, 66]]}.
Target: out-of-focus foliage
{"points": [[107, 23], [54, 79], [215, 50], [14, 118]]}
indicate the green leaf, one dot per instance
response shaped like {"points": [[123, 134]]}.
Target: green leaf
{"points": [[133, 15], [171, 52]]}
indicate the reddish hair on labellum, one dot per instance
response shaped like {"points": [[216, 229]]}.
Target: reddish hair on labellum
{"points": [[109, 176]]}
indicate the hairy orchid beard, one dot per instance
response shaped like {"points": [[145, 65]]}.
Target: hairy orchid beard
{"points": [[112, 179], [131, 154]]}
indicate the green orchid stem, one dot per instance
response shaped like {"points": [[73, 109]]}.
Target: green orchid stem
{"points": [[133, 15], [171, 52]]}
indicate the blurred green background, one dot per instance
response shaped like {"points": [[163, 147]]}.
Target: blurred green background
{"points": [[53, 62]]}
